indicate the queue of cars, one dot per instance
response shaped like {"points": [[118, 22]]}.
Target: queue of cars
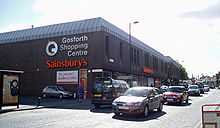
{"points": [[134, 100], [180, 94]]}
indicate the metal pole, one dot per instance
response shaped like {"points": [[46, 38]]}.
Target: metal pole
{"points": [[129, 41]]}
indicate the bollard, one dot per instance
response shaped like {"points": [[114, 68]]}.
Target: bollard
{"points": [[38, 101]]}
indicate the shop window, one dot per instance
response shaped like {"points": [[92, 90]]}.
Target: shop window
{"points": [[131, 55], [107, 46], [121, 51], [146, 58], [138, 57]]}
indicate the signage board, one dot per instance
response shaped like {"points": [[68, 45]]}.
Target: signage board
{"points": [[10, 89], [67, 77]]}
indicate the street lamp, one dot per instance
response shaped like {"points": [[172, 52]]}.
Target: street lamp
{"points": [[135, 22]]}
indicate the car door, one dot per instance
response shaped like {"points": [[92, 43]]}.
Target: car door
{"points": [[157, 98], [54, 91], [151, 100]]}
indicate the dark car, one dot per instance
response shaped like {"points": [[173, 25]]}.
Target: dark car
{"points": [[105, 90], [176, 94], [55, 91], [194, 90], [138, 100], [201, 88]]}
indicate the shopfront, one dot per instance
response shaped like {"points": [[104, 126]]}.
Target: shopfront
{"points": [[74, 54]]}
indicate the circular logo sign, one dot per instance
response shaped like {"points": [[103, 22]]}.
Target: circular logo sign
{"points": [[51, 48]]}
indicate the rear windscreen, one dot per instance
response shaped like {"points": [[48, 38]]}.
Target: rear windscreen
{"points": [[102, 86]]}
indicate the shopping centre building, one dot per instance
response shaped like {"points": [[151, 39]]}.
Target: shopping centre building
{"points": [[74, 53]]}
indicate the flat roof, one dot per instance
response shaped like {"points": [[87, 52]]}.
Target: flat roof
{"points": [[12, 71], [76, 27]]}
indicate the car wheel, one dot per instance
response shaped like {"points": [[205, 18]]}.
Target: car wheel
{"points": [[187, 100], [97, 105], [146, 111], [181, 102], [61, 96], [160, 107], [117, 113]]}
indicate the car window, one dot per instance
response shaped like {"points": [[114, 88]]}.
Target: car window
{"points": [[156, 91], [193, 87], [60, 88], [136, 92], [176, 89], [151, 93]]}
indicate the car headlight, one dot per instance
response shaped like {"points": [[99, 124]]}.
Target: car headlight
{"points": [[138, 104], [179, 96], [113, 103]]}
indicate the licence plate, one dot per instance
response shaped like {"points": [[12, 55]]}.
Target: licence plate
{"points": [[123, 107], [169, 99], [97, 95]]}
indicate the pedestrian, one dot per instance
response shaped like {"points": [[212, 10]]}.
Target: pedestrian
{"points": [[80, 93]]}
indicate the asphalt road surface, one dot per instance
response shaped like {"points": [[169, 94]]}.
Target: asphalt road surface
{"points": [[173, 116]]}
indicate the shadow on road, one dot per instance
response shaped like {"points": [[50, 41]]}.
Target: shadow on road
{"points": [[176, 104], [56, 103], [105, 109], [196, 95], [152, 116]]}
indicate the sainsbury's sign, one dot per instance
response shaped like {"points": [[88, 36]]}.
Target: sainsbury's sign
{"points": [[80, 63]]}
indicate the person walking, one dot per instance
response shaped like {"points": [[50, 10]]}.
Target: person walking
{"points": [[80, 93]]}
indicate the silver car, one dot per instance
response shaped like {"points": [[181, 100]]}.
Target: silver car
{"points": [[55, 91], [194, 90]]}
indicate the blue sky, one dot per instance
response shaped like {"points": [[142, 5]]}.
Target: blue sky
{"points": [[186, 30]]}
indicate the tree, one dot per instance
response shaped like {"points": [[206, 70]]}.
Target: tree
{"points": [[183, 73]]}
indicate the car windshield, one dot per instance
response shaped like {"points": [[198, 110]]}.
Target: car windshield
{"points": [[136, 92], [176, 89], [193, 87]]}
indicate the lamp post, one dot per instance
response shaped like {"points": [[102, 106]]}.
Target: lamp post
{"points": [[130, 41], [135, 22]]}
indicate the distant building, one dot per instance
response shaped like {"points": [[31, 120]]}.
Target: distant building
{"points": [[77, 52]]}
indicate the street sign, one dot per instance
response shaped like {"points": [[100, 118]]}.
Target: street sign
{"points": [[211, 116]]}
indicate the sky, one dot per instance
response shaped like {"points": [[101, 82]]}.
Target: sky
{"points": [[186, 30]]}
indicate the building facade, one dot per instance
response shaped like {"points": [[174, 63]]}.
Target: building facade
{"points": [[76, 53]]}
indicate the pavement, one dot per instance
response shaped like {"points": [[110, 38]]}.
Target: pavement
{"points": [[30, 103]]}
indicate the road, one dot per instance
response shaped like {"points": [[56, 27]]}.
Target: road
{"points": [[173, 116]]}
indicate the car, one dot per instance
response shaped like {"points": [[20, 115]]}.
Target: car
{"points": [[55, 91], [206, 88], [176, 94], [138, 101], [105, 90], [193, 90], [201, 87], [164, 88]]}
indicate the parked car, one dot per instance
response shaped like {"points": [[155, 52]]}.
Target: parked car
{"points": [[176, 94], [55, 91], [138, 101], [194, 90], [105, 90], [206, 88]]}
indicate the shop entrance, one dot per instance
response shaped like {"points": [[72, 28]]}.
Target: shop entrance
{"points": [[84, 81]]}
